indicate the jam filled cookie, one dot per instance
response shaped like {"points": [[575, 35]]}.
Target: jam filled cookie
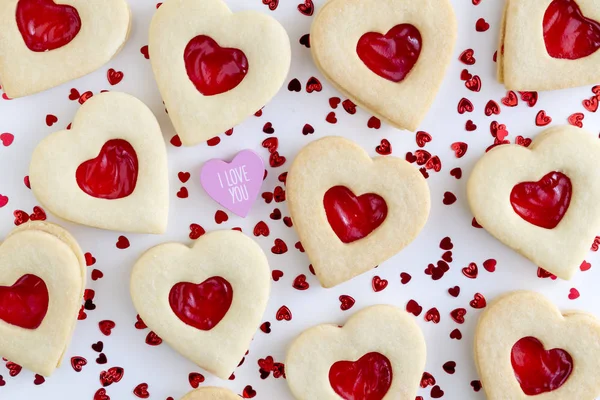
{"points": [[42, 278], [549, 44], [388, 56], [543, 200], [44, 43], [378, 355], [109, 170], [525, 347], [353, 212], [214, 68], [211, 393], [206, 301]]}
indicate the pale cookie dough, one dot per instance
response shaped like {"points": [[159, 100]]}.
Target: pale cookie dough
{"points": [[211, 393], [522, 314], [566, 149], [334, 36], [335, 161], [382, 329], [227, 254], [525, 64], [104, 30], [52, 254], [102, 118], [262, 39]]}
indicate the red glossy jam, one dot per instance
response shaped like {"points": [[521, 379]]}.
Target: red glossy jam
{"points": [[369, 378], [538, 370], [25, 303], [214, 69], [113, 174], [203, 305], [353, 217], [393, 55], [543, 203], [45, 25], [567, 33]]}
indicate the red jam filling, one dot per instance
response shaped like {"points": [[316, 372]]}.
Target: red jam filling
{"points": [[567, 33], [369, 378], [25, 303], [543, 203], [46, 25], [538, 370], [353, 217], [113, 174], [203, 305], [214, 69], [393, 55]]}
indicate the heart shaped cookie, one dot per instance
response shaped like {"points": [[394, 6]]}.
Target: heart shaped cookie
{"points": [[388, 56], [378, 355], [541, 200], [549, 44], [42, 278], [211, 393], [44, 43], [353, 212], [205, 301], [109, 170], [525, 347], [214, 68]]}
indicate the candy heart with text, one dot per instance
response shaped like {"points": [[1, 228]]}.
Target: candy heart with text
{"points": [[44, 43], [211, 393], [214, 68], [525, 347], [109, 170], [42, 278], [379, 354], [543, 200], [387, 56], [353, 212], [206, 301], [549, 44]]}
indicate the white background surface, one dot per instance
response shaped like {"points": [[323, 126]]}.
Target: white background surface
{"points": [[167, 372]]}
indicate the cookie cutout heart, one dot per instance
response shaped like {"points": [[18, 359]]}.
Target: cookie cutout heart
{"points": [[25, 303], [391, 57], [212, 68], [549, 44], [113, 174], [353, 212], [543, 203], [203, 305], [206, 301], [539, 370], [45, 43], [541, 200], [353, 217], [378, 354], [109, 170], [370, 377], [211, 393], [210, 71], [525, 347], [567, 33], [46, 25], [42, 279]]}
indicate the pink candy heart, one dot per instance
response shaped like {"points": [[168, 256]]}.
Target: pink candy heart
{"points": [[234, 185]]}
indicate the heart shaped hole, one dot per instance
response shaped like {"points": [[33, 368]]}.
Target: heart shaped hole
{"points": [[45, 25], [201, 305], [25, 303], [543, 203], [368, 378]]}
